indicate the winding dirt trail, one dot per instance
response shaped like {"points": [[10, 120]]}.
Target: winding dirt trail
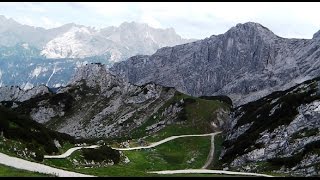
{"points": [[71, 150], [37, 167], [183, 171], [211, 153], [207, 171]]}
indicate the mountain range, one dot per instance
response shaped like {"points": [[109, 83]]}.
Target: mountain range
{"points": [[31, 56], [261, 90], [78, 41]]}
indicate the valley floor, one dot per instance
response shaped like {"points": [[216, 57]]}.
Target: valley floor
{"points": [[37, 167]]}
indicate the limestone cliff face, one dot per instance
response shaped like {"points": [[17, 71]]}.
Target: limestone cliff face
{"points": [[280, 132], [15, 93], [96, 104], [245, 63]]}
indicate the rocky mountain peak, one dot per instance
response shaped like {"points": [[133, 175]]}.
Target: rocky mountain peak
{"points": [[251, 29], [70, 25], [131, 24], [96, 75], [316, 35], [2, 18]]}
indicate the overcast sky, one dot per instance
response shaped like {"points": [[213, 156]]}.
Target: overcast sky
{"points": [[190, 20]]}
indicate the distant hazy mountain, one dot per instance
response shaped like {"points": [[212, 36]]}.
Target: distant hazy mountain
{"points": [[30, 56], [117, 43], [78, 41]]}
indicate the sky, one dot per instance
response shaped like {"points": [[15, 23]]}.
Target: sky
{"points": [[190, 20]]}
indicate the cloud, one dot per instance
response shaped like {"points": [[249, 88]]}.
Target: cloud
{"points": [[24, 6], [40, 22], [48, 23], [151, 21], [27, 21]]}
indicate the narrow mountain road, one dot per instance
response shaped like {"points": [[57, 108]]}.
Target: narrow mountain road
{"points": [[37, 167], [211, 153], [184, 171], [164, 141], [207, 171], [71, 150]]}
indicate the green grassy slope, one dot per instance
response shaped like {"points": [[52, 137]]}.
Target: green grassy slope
{"points": [[6, 171]]}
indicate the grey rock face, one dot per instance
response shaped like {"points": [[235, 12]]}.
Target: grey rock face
{"points": [[281, 130], [14, 93], [96, 103], [246, 63]]}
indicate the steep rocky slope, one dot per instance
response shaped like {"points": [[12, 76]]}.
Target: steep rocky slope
{"points": [[98, 104], [15, 93], [280, 132], [22, 136], [245, 63]]}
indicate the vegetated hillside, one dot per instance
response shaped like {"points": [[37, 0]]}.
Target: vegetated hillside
{"points": [[6, 171], [25, 138], [97, 104], [245, 63], [279, 132], [28, 138]]}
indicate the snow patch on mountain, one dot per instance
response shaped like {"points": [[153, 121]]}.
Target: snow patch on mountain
{"points": [[115, 55], [117, 43], [25, 45], [72, 44], [80, 64], [36, 72], [27, 86]]}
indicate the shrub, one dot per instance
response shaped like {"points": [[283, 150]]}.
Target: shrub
{"points": [[225, 99], [182, 116], [189, 100], [4, 124], [145, 91], [103, 153], [30, 132], [39, 156]]}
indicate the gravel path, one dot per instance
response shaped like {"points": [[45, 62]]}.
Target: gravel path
{"points": [[211, 153], [71, 150], [36, 167], [207, 171], [164, 141]]}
